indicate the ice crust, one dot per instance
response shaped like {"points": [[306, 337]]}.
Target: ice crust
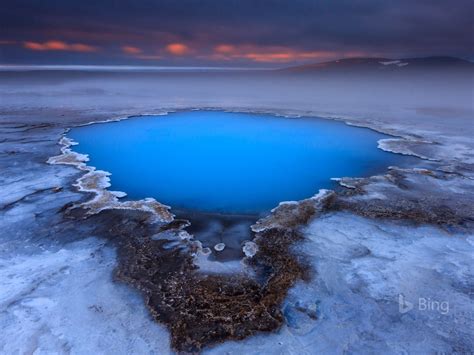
{"points": [[97, 182], [52, 303], [56, 277], [361, 266]]}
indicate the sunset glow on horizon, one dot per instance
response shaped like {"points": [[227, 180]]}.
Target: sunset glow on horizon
{"points": [[237, 33]]}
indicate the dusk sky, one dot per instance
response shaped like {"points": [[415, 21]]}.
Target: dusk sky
{"points": [[250, 33]]}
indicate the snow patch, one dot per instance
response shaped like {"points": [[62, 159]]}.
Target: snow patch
{"points": [[219, 246], [391, 62], [65, 301], [206, 265], [250, 249]]}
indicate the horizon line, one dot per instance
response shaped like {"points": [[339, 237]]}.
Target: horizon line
{"points": [[97, 67], [126, 67]]}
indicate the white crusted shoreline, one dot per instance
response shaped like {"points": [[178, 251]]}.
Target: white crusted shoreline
{"points": [[97, 182]]}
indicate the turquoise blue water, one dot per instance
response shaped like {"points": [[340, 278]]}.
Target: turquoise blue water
{"points": [[229, 162]]}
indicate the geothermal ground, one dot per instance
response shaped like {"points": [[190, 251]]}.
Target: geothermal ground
{"points": [[380, 264]]}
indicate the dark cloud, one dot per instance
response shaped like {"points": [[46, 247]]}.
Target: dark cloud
{"points": [[344, 27]]}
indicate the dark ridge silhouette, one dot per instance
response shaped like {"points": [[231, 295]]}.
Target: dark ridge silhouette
{"points": [[375, 65]]}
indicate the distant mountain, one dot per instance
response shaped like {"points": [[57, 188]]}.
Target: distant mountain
{"points": [[382, 65]]}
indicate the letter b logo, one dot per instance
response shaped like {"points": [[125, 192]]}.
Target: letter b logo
{"points": [[403, 305]]}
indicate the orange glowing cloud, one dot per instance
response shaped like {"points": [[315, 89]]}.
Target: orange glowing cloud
{"points": [[131, 50], [269, 57], [79, 47], [282, 57], [267, 54], [58, 46], [177, 49], [224, 49]]}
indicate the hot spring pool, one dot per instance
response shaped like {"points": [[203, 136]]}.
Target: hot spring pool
{"points": [[234, 163]]}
